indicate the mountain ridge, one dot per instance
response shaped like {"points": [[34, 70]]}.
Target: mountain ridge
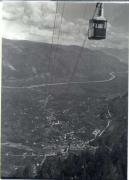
{"points": [[22, 59]]}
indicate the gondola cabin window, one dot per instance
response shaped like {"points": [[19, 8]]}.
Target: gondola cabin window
{"points": [[97, 29]]}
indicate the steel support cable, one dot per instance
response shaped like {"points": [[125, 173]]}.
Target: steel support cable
{"points": [[78, 58], [61, 22], [48, 89], [58, 38], [51, 47], [95, 11], [53, 52]]}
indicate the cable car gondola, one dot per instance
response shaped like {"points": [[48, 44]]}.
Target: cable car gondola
{"points": [[98, 24]]}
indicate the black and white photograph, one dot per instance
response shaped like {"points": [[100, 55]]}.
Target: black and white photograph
{"points": [[64, 99]]}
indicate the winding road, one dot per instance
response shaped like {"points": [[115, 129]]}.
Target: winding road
{"points": [[112, 77], [20, 146]]}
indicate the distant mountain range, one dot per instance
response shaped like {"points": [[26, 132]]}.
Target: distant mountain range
{"points": [[25, 59]]}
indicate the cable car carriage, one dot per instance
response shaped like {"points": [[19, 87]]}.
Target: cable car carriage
{"points": [[97, 25]]}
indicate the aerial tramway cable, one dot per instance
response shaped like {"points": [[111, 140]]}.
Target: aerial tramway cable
{"points": [[94, 11], [77, 59], [98, 31], [49, 67], [61, 23], [51, 47], [55, 59], [53, 53]]}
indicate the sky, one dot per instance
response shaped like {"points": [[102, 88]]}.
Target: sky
{"points": [[34, 21]]}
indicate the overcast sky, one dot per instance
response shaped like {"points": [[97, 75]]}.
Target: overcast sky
{"points": [[35, 20]]}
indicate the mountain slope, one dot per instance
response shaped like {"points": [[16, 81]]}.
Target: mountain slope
{"points": [[121, 54], [24, 59]]}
